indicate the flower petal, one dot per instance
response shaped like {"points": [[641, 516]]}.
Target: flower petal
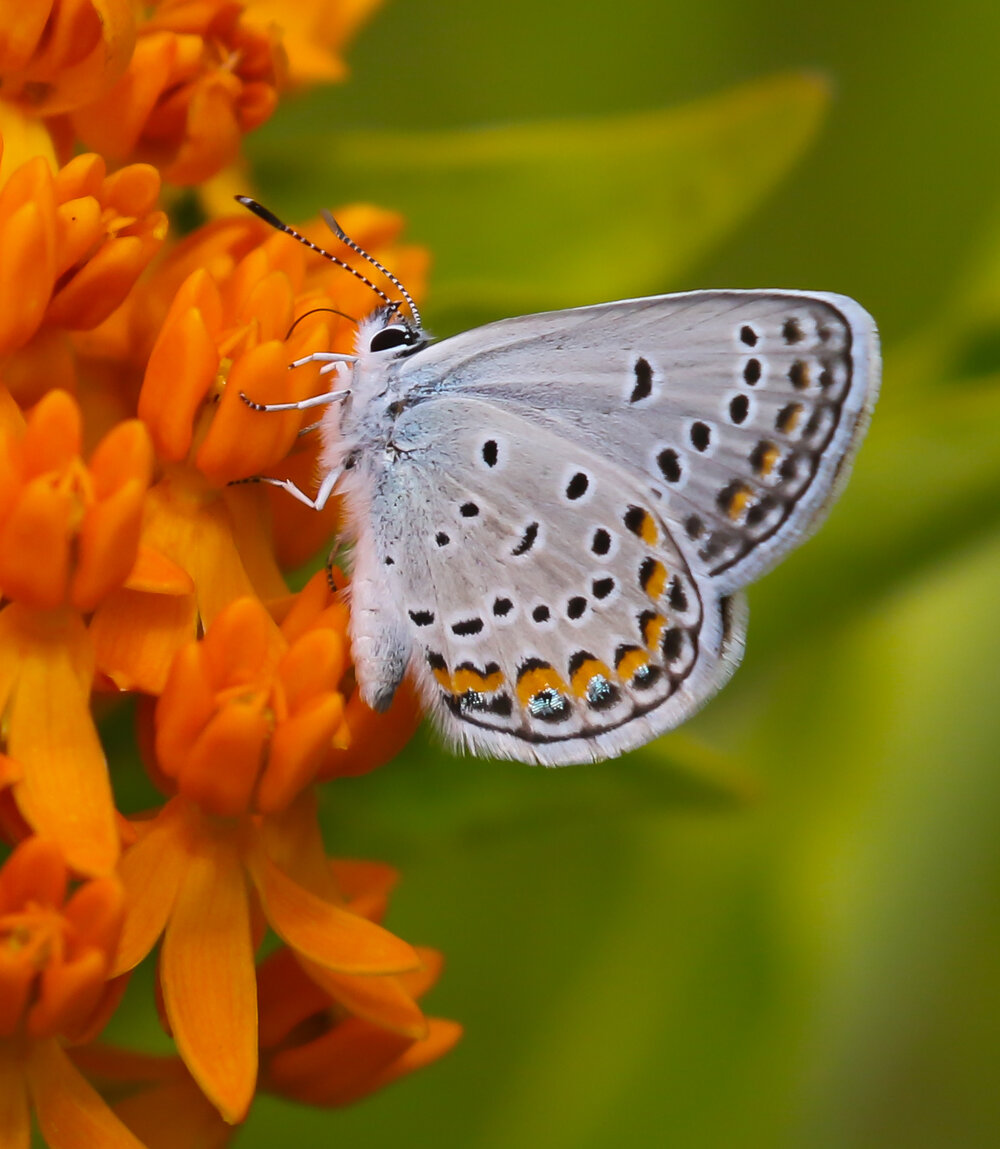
{"points": [[136, 635], [71, 1113], [151, 872], [339, 1066], [207, 976], [381, 1000], [174, 1115], [328, 935], [15, 1117], [65, 793]]}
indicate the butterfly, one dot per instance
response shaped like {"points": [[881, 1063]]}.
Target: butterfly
{"points": [[553, 516]]}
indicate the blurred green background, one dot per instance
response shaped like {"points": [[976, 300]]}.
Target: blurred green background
{"points": [[779, 926]]}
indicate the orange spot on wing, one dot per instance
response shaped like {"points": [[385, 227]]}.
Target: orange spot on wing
{"points": [[530, 682], [469, 678], [739, 500], [653, 627], [630, 662], [585, 672], [654, 578]]}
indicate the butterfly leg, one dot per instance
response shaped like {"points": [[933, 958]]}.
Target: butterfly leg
{"points": [[316, 504], [302, 405], [329, 359]]}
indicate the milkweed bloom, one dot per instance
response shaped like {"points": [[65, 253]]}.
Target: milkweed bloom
{"points": [[56, 949], [137, 561]]}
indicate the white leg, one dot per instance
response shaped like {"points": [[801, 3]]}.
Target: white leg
{"points": [[326, 489], [322, 495], [325, 357], [302, 405]]}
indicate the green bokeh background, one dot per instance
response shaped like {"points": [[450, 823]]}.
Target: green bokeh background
{"points": [[779, 926]]}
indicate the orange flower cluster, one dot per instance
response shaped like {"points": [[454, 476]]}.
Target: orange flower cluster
{"points": [[130, 566]]}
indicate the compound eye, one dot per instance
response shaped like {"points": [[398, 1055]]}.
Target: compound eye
{"points": [[396, 335]]}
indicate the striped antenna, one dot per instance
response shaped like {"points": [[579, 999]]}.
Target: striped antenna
{"points": [[270, 218], [342, 235]]}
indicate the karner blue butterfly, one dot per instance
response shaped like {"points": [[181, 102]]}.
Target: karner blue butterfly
{"points": [[553, 516]]}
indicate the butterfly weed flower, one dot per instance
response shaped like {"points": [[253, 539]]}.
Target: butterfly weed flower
{"points": [[56, 949], [69, 535], [240, 731], [200, 78], [56, 56], [135, 559], [325, 1038], [74, 243], [236, 306]]}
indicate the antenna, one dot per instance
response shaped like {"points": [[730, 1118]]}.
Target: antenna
{"points": [[314, 310], [270, 218], [339, 232]]}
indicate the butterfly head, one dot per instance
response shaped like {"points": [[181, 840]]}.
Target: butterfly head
{"points": [[386, 330]]}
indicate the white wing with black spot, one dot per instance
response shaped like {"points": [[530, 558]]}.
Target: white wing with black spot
{"points": [[741, 409], [571, 500], [551, 615]]}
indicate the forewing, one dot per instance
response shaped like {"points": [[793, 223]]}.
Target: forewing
{"points": [[553, 617], [737, 411]]}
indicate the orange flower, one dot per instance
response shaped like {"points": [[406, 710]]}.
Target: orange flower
{"points": [[200, 77], [55, 954], [212, 321], [245, 697], [69, 532], [329, 1038], [325, 1038], [68, 536], [57, 55], [190, 877], [313, 32], [371, 738], [74, 244]]}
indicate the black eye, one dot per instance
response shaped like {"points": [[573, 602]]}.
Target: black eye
{"points": [[394, 336]]}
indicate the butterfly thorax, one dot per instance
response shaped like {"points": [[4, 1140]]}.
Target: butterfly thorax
{"points": [[359, 430]]}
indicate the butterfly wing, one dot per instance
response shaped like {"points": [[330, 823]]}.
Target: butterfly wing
{"points": [[576, 496], [740, 409], [548, 623]]}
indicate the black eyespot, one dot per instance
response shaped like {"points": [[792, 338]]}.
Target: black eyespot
{"points": [[739, 408], [701, 435], [678, 598], [577, 486], [669, 464], [422, 617], [600, 544], [467, 626], [602, 587], [693, 526], [502, 607], [541, 614], [643, 381], [751, 372], [748, 336], [672, 643], [442, 539], [527, 540], [490, 453], [576, 606], [468, 510], [792, 330], [396, 335]]}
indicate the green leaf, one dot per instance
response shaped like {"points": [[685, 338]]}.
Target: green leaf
{"points": [[532, 216]]}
